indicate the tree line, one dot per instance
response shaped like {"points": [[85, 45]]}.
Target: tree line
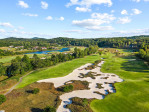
{"points": [[117, 42], [21, 65], [144, 53]]}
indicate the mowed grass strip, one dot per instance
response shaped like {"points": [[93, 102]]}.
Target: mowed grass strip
{"points": [[132, 94], [58, 70]]}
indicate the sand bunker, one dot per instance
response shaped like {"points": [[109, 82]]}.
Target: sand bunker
{"points": [[105, 79]]}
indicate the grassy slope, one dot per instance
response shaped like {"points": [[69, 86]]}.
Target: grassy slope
{"points": [[132, 94], [59, 70]]}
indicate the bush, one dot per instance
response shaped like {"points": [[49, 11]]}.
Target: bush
{"points": [[68, 88], [49, 109], [2, 99], [35, 91]]}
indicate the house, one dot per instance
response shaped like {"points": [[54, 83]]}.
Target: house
{"points": [[35, 48], [19, 47], [11, 46], [43, 48]]}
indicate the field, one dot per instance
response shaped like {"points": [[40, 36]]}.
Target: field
{"points": [[59, 70], [132, 94]]}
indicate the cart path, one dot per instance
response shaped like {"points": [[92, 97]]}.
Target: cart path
{"points": [[20, 80]]}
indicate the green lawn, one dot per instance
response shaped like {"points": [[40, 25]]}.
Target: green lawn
{"points": [[59, 70], [133, 94]]}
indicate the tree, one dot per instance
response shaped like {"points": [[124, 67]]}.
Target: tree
{"points": [[2, 99], [49, 109], [36, 90], [27, 61], [2, 69]]}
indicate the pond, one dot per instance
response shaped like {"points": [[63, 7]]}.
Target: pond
{"points": [[46, 52]]}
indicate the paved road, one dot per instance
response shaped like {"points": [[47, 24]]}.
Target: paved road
{"points": [[20, 80]]}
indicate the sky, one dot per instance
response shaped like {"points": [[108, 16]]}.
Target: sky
{"points": [[73, 18]]}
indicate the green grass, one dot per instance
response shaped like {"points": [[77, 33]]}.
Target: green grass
{"points": [[59, 70], [133, 94]]}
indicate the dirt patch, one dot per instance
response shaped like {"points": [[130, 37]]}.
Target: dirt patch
{"points": [[94, 65], [21, 100], [5, 85], [80, 105], [89, 74], [99, 86], [77, 85]]}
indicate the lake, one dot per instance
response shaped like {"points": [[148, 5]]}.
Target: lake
{"points": [[46, 52]]}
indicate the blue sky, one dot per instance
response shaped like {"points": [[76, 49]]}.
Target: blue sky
{"points": [[73, 18]]}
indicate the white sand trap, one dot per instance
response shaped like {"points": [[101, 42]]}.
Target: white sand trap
{"points": [[60, 81]]}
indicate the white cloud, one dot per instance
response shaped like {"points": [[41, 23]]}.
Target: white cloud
{"points": [[124, 20], [92, 24], [89, 3], [20, 27], [6, 24], [29, 14], [112, 11], [136, 11], [23, 4], [44, 5], [61, 18], [124, 12], [2, 31], [49, 18], [136, 0], [88, 22], [104, 16], [83, 9], [77, 31], [100, 28], [97, 19], [133, 32]]}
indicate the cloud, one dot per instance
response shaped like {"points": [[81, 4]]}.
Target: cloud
{"points": [[6, 24], [136, 0], [104, 16], [49, 18], [100, 28], [112, 11], [124, 20], [29, 14], [133, 32], [23, 4], [89, 3], [61, 18], [140, 0], [88, 22], [95, 22], [2, 31], [124, 12], [136, 11], [82, 9], [92, 24], [77, 31], [44, 5], [20, 27]]}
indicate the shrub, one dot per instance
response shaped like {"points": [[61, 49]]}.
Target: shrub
{"points": [[35, 91], [2, 99], [49, 109], [68, 88]]}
